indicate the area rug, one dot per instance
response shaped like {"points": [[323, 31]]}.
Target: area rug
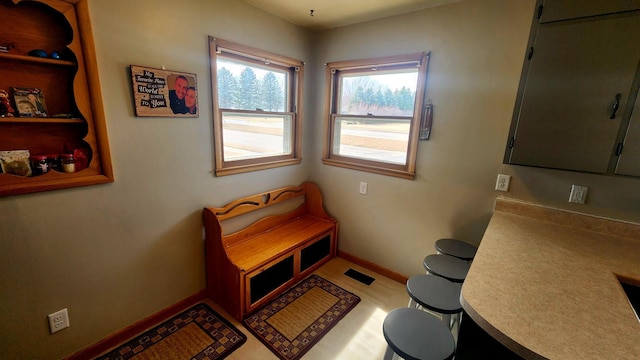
{"points": [[291, 324], [197, 333]]}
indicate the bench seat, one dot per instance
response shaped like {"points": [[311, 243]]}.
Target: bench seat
{"points": [[253, 252]]}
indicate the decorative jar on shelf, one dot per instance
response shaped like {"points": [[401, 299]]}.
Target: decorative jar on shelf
{"points": [[68, 163], [39, 165]]}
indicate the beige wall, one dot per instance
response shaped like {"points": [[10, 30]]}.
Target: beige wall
{"points": [[477, 49], [113, 254]]}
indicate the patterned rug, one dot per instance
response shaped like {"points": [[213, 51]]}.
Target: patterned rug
{"points": [[291, 324], [197, 333]]}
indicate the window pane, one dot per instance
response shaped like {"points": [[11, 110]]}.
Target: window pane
{"points": [[377, 139], [378, 93], [254, 135], [245, 86]]}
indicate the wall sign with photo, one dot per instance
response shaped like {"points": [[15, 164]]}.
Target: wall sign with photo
{"points": [[159, 92]]}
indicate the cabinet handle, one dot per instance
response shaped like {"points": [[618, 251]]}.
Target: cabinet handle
{"points": [[616, 106]]}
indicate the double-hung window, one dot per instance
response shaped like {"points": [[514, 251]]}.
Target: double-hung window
{"points": [[374, 112], [257, 97]]}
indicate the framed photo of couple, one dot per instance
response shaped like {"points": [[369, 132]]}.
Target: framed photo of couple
{"points": [[159, 92], [29, 102]]}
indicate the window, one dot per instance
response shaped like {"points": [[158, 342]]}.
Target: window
{"points": [[374, 113], [256, 97]]}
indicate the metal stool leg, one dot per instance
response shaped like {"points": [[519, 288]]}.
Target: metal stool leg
{"points": [[389, 354], [412, 303], [446, 318]]}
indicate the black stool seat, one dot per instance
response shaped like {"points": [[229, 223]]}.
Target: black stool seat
{"points": [[415, 335], [435, 293], [456, 248], [446, 266]]}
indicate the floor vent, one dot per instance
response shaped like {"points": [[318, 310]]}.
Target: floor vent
{"points": [[365, 279]]}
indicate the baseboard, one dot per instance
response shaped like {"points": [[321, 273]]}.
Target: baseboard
{"points": [[130, 331], [374, 267]]}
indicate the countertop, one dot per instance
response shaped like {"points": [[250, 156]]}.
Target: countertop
{"points": [[544, 283]]}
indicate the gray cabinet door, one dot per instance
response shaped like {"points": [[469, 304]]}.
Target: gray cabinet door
{"points": [[574, 76], [554, 10], [629, 160]]}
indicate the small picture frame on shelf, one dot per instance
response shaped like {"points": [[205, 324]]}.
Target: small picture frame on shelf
{"points": [[29, 102]]}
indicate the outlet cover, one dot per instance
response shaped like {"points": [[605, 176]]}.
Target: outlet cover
{"points": [[502, 183], [58, 320]]}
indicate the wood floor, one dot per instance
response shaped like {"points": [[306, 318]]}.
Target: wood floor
{"points": [[358, 335]]}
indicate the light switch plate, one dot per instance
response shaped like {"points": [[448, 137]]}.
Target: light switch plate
{"points": [[364, 187], [578, 194]]}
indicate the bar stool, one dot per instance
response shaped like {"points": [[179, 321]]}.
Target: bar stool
{"points": [[456, 248], [436, 294], [415, 335], [447, 266]]}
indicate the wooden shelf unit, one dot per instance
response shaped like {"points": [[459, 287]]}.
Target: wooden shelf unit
{"points": [[70, 86], [248, 268]]}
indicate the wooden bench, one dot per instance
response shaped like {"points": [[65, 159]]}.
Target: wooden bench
{"points": [[249, 267]]}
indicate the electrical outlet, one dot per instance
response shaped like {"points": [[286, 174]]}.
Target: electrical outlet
{"points": [[58, 320], [502, 183], [363, 188], [578, 194]]}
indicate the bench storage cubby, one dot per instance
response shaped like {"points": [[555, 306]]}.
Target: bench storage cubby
{"points": [[249, 267]]}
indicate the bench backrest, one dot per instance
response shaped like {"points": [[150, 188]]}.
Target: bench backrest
{"points": [[257, 202], [213, 216]]}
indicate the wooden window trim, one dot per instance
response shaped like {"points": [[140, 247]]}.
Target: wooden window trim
{"points": [[295, 93], [407, 171]]}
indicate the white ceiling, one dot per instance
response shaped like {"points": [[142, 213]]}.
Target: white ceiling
{"points": [[328, 14]]}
